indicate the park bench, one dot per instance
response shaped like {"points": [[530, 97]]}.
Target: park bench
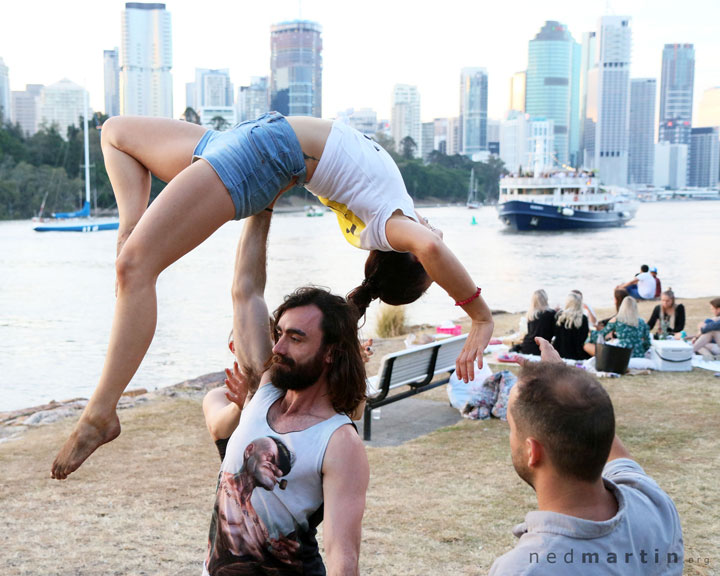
{"points": [[409, 372]]}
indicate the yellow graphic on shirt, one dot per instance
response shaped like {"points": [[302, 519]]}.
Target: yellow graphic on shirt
{"points": [[350, 225]]}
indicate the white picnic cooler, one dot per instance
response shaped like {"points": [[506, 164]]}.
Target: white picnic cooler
{"points": [[672, 355]]}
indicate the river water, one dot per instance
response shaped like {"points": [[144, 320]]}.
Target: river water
{"points": [[57, 289]]}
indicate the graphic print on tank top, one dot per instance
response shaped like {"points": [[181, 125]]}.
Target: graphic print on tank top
{"points": [[269, 497]]}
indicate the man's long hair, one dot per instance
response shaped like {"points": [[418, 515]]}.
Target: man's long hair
{"points": [[346, 374]]}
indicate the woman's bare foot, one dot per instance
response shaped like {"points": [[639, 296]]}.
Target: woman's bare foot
{"points": [[83, 441]]}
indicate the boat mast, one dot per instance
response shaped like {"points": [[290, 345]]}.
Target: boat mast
{"points": [[87, 151]]}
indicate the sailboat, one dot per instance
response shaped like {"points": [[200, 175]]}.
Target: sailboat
{"points": [[472, 202], [85, 223]]}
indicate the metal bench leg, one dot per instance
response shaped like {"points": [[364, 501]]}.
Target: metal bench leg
{"points": [[367, 421]]}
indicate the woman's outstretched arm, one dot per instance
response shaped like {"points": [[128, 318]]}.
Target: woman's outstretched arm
{"points": [[406, 235]]}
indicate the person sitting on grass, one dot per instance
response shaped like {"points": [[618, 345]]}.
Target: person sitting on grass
{"points": [[670, 314], [707, 342], [629, 329], [571, 329], [599, 513], [540, 322], [643, 286]]}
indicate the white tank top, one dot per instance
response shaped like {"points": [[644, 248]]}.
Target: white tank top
{"points": [[359, 181], [291, 513]]}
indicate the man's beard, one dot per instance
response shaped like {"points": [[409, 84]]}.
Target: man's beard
{"points": [[287, 374]]}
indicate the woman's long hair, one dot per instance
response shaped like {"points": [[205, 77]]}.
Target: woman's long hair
{"points": [[572, 314], [628, 312], [538, 304], [396, 278], [346, 375]]}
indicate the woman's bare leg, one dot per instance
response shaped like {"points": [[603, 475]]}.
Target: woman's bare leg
{"points": [[134, 147], [190, 209]]}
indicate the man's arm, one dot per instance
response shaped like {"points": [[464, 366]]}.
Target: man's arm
{"points": [[251, 325], [346, 474]]}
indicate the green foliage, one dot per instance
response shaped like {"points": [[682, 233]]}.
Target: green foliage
{"points": [[446, 178], [390, 321], [408, 147]]}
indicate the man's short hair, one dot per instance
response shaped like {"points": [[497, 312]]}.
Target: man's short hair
{"points": [[571, 415], [644, 268]]}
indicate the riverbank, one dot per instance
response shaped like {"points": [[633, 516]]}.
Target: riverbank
{"points": [[141, 505]]}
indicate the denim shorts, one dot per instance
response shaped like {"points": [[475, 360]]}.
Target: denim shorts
{"points": [[255, 160]]}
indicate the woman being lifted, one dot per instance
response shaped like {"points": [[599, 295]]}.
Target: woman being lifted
{"points": [[214, 177]]}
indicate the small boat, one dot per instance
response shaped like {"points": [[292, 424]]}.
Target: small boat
{"points": [[313, 211], [562, 201], [80, 220], [472, 202]]}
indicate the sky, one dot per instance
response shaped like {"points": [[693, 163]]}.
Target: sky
{"points": [[368, 46]]}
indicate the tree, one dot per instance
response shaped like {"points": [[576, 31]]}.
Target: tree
{"points": [[408, 148], [190, 115], [219, 123], [385, 141]]}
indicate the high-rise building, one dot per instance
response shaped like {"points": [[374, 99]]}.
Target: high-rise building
{"points": [[671, 161], [708, 113], [405, 117], [441, 134], [641, 152], [453, 141], [296, 68], [62, 104], [526, 143], [364, 120], [212, 88], [112, 82], [614, 48], [517, 91], [588, 101], [428, 139], [553, 80], [253, 100], [5, 102], [146, 61], [676, 93], [26, 108], [704, 157], [473, 110]]}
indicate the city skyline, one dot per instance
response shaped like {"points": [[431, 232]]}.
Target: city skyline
{"points": [[366, 50]]}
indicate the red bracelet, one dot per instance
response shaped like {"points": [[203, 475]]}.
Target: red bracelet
{"points": [[468, 300]]}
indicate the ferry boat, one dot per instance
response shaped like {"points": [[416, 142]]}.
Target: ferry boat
{"points": [[562, 201]]}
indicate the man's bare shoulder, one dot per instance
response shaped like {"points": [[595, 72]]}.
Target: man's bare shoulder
{"points": [[344, 450]]}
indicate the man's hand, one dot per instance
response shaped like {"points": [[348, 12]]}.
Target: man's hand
{"points": [[367, 350], [547, 352]]}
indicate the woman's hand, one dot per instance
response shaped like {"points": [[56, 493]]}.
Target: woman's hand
{"points": [[477, 341], [237, 386]]}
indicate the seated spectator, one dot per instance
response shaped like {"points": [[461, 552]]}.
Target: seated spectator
{"points": [[643, 286], [571, 329], [629, 330], [599, 512], [707, 342], [540, 322], [670, 314], [619, 294], [587, 310], [658, 284]]}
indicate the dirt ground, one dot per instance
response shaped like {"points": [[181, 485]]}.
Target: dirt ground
{"points": [[444, 503]]}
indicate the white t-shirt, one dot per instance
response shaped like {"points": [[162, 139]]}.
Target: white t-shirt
{"points": [[644, 537], [359, 181], [646, 285]]}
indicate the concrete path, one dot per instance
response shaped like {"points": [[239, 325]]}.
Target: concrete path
{"points": [[409, 418]]}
